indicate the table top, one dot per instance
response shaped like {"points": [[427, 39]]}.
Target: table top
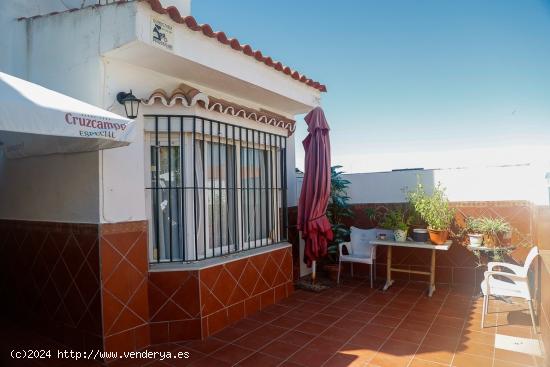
{"points": [[490, 249], [413, 244]]}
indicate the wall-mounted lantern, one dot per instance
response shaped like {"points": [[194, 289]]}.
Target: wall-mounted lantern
{"points": [[130, 102]]}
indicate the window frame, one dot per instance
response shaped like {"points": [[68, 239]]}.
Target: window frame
{"points": [[275, 153]]}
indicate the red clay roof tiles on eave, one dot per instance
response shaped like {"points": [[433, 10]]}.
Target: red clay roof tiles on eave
{"points": [[206, 29]]}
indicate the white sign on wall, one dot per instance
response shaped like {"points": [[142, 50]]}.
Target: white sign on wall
{"points": [[162, 34]]}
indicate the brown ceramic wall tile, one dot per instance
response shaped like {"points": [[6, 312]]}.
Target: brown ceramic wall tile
{"points": [[125, 291], [51, 274], [197, 304]]}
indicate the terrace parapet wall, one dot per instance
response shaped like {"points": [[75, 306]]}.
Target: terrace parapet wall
{"points": [[458, 265], [194, 304]]}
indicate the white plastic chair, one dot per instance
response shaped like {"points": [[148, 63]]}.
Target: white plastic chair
{"points": [[517, 286], [360, 250]]}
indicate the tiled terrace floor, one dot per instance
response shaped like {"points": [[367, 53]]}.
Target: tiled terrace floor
{"points": [[355, 326]]}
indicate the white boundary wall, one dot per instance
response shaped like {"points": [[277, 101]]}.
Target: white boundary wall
{"points": [[522, 182]]}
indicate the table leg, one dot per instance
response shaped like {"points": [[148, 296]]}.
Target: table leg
{"points": [[432, 275], [389, 280]]}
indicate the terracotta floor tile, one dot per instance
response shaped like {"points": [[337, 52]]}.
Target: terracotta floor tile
{"points": [[499, 363], [338, 334], [396, 313], [447, 331], [367, 341], [183, 362], [254, 341], [454, 322], [360, 316], [248, 324], [514, 357], [513, 330], [367, 307], [477, 349], [385, 321], [310, 357], [321, 318], [435, 354], [376, 330], [414, 325], [207, 346], [209, 362], [347, 360], [417, 362], [289, 364], [231, 354], [260, 359], [347, 324], [442, 342], [325, 344], [310, 328], [406, 335], [399, 348], [296, 337], [270, 330], [468, 360], [477, 337], [388, 360], [230, 334], [280, 349], [286, 322]]}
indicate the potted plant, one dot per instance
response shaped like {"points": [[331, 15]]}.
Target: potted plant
{"points": [[338, 211], [418, 229], [397, 221], [496, 231], [435, 210], [474, 230]]}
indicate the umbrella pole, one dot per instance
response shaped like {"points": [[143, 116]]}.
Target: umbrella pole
{"points": [[314, 271]]}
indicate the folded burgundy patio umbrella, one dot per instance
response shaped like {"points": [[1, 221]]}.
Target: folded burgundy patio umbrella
{"points": [[312, 207]]}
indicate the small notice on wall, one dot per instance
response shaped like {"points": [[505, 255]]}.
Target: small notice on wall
{"points": [[162, 34]]}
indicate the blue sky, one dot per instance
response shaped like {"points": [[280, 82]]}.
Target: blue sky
{"points": [[427, 83]]}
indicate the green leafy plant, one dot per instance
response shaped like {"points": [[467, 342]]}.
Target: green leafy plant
{"points": [[395, 219], [434, 209], [493, 226], [473, 225], [338, 210]]}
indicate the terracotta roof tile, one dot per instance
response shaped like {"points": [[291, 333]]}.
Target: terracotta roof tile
{"points": [[234, 43], [188, 96]]}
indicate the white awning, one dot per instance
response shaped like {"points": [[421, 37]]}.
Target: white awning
{"points": [[38, 121]]}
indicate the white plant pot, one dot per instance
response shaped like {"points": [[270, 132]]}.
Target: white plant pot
{"points": [[476, 240], [400, 235]]}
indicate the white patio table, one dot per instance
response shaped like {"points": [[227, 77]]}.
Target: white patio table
{"points": [[422, 245]]}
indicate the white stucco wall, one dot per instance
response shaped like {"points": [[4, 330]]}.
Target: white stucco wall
{"points": [[72, 53], [55, 188], [123, 172], [60, 52], [524, 182]]}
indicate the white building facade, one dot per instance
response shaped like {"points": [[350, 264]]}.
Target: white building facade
{"points": [[206, 183]]}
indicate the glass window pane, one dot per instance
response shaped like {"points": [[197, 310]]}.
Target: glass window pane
{"points": [[167, 211]]}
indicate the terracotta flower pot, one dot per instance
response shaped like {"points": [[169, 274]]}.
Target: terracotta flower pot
{"points": [[438, 237], [332, 271], [490, 240]]}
